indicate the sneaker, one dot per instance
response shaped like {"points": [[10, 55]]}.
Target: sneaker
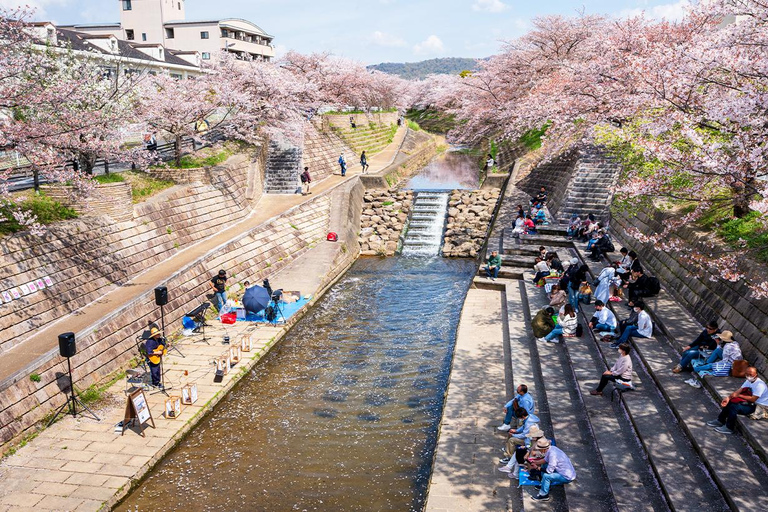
{"points": [[724, 430], [505, 469], [504, 427], [493, 279], [594, 392], [514, 476], [714, 423], [614, 345], [693, 383], [553, 340], [540, 497], [677, 369], [505, 460], [541, 340]]}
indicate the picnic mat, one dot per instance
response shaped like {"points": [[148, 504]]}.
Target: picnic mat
{"points": [[288, 310]]}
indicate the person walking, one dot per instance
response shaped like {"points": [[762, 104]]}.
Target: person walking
{"points": [[306, 179], [219, 285], [364, 162], [343, 165]]}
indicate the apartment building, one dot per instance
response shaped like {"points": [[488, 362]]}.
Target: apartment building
{"points": [[164, 22]]}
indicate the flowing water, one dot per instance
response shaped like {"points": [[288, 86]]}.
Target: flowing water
{"points": [[427, 224], [342, 415]]}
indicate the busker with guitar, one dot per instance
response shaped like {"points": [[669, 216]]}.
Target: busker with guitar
{"points": [[155, 347]]}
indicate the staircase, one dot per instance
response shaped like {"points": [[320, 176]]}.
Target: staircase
{"points": [[425, 230], [590, 189], [283, 168]]}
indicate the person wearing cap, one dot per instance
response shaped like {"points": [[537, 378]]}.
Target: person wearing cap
{"points": [[745, 400], [621, 370], [155, 347], [517, 436], [522, 399], [721, 360], [219, 285], [705, 341], [556, 468], [523, 454]]}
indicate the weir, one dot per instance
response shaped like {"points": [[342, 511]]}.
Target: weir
{"points": [[425, 230]]}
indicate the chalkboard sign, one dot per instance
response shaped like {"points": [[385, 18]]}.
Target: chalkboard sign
{"points": [[137, 409]]}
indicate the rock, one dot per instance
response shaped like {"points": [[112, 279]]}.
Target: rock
{"points": [[374, 239], [368, 211], [365, 232], [453, 212], [391, 247], [375, 219], [402, 217]]}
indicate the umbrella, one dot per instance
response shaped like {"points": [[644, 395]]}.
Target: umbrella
{"points": [[256, 299]]}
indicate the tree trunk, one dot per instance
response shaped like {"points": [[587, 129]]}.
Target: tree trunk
{"points": [[177, 150], [743, 194], [36, 179]]}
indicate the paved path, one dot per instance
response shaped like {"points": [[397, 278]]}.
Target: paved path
{"points": [[464, 476], [270, 205]]}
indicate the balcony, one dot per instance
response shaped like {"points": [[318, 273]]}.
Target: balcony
{"points": [[241, 44]]}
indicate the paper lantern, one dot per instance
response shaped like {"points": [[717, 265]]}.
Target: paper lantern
{"points": [[189, 394], [173, 407], [246, 343], [234, 354]]}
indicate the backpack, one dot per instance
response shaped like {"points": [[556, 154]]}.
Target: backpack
{"points": [[579, 331], [654, 286], [270, 314], [304, 177]]}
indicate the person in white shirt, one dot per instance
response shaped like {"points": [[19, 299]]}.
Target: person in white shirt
{"points": [[566, 325], [541, 268], [604, 319], [621, 370], [643, 329], [556, 468], [740, 403]]}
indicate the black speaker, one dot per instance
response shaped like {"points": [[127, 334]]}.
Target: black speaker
{"points": [[67, 346], [161, 295]]}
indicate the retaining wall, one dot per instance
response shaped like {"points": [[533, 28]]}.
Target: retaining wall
{"points": [[704, 295], [111, 199], [342, 120]]}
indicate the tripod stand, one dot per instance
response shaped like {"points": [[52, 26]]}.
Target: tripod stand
{"points": [[162, 388], [72, 401], [198, 315], [278, 310]]}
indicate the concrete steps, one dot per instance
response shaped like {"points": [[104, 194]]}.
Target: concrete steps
{"points": [[735, 476], [283, 169]]}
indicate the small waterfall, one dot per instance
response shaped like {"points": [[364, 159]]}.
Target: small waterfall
{"points": [[425, 231]]}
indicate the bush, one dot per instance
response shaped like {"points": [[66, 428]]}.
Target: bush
{"points": [[413, 125], [532, 138], [43, 207], [109, 178]]}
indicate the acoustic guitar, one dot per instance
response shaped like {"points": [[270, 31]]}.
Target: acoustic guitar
{"points": [[155, 359]]}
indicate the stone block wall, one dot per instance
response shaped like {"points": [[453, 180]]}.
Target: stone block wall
{"points": [[704, 295], [180, 176], [87, 257], [109, 345], [342, 120], [469, 215], [112, 199], [555, 175], [385, 214], [322, 150]]}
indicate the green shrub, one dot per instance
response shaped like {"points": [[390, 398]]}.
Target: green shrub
{"points": [[35, 377], [109, 178], [413, 125], [532, 138], [41, 206], [144, 186]]}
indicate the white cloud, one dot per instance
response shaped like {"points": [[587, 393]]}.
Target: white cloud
{"points": [[380, 38], [38, 5], [430, 45], [672, 11], [489, 6]]}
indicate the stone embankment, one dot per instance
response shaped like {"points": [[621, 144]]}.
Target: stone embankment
{"points": [[385, 214], [469, 214]]}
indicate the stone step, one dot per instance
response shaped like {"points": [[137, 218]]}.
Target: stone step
{"points": [[735, 475]]}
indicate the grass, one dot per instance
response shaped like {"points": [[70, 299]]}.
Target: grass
{"points": [[413, 125], [207, 157], [35, 377], [109, 178], [144, 186], [41, 206], [532, 139], [747, 232]]}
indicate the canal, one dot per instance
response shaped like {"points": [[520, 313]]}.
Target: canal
{"points": [[342, 415]]}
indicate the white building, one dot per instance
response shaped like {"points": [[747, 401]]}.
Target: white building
{"points": [[164, 22]]}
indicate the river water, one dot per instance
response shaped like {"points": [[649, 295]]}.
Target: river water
{"points": [[342, 414]]}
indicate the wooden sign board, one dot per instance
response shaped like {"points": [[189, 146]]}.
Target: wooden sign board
{"points": [[173, 407], [189, 394], [137, 409]]}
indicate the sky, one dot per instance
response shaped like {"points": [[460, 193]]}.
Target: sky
{"points": [[374, 31]]}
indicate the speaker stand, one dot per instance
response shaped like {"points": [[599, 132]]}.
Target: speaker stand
{"points": [[72, 402]]}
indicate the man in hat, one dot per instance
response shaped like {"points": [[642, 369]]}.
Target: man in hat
{"points": [[556, 468], [529, 451], [219, 285], [707, 340], [155, 347]]}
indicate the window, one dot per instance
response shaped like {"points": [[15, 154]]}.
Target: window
{"points": [[203, 35], [224, 33], [129, 34], [143, 36], [127, 5], [169, 33], [161, 54], [206, 56], [179, 4]]}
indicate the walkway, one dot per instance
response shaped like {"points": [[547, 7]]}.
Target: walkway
{"points": [[268, 207]]}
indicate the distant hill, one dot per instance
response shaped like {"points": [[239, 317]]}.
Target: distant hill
{"points": [[419, 70]]}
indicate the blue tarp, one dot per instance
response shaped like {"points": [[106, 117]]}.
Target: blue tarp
{"points": [[288, 311]]}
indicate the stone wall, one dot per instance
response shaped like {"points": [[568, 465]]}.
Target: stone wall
{"points": [[86, 258], [704, 295], [322, 150], [342, 120], [109, 345], [555, 175], [179, 176], [112, 199], [385, 214], [469, 214]]}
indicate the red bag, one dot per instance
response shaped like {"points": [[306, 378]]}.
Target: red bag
{"points": [[229, 318], [742, 391], [333, 237]]}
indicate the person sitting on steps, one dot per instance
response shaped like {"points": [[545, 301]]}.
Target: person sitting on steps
{"points": [[721, 359], [517, 436], [567, 323], [601, 247], [542, 324], [604, 319], [621, 370], [643, 329], [628, 264], [705, 341], [556, 468], [524, 455], [573, 226], [530, 226], [744, 401], [542, 270], [523, 400], [558, 297], [637, 287], [493, 266], [541, 197], [554, 262]]}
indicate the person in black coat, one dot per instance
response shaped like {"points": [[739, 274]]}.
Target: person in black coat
{"points": [[639, 288]]}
